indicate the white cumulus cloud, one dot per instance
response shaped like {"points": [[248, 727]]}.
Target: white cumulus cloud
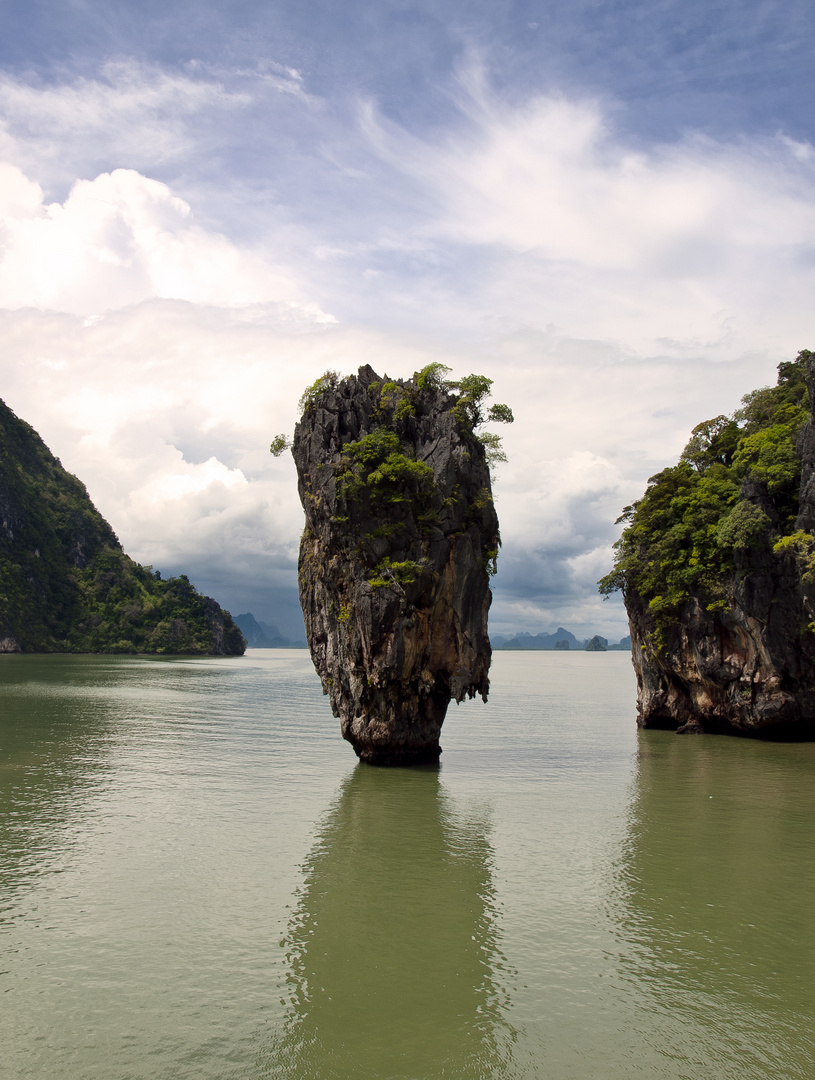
{"points": [[116, 240]]}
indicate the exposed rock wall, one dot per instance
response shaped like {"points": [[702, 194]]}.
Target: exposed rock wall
{"points": [[748, 666], [399, 536], [748, 670]]}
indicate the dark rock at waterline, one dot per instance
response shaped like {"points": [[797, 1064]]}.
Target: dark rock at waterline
{"points": [[400, 535], [747, 670]]}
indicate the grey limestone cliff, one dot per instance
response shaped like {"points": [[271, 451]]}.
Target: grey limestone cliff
{"points": [[400, 536], [746, 671]]}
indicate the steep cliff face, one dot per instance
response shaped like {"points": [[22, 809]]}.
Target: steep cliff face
{"points": [[399, 539], [65, 583], [717, 570], [745, 670]]}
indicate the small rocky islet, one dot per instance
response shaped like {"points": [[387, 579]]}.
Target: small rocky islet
{"points": [[400, 539], [717, 570]]}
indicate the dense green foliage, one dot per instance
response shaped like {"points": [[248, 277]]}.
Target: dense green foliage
{"points": [[279, 444], [379, 466], [65, 583], [126, 607], [734, 490], [378, 477], [377, 474], [396, 402], [471, 392], [309, 396]]}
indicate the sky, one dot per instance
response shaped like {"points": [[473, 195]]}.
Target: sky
{"points": [[607, 208]]}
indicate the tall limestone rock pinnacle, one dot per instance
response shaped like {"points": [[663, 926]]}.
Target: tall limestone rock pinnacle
{"points": [[400, 538]]}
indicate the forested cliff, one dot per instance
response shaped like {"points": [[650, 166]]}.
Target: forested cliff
{"points": [[66, 585], [717, 570]]}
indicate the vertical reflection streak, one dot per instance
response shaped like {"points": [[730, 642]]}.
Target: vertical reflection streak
{"points": [[392, 947], [716, 891]]}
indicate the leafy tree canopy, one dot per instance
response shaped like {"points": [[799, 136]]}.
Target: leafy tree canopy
{"points": [[735, 488], [396, 402]]}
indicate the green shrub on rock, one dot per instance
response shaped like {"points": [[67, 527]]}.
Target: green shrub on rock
{"points": [[731, 498]]}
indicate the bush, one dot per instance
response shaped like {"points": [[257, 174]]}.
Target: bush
{"points": [[686, 535]]}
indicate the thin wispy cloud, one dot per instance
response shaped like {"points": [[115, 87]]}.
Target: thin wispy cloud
{"points": [[126, 114], [673, 242]]}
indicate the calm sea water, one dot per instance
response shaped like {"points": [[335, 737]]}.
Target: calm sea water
{"points": [[197, 880]]}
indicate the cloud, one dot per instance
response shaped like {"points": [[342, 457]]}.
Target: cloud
{"points": [[165, 410], [694, 241], [535, 212], [553, 176], [116, 240], [617, 294], [592, 422], [558, 516], [142, 115]]}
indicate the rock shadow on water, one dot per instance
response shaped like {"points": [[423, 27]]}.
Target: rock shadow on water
{"points": [[713, 907], [395, 969]]}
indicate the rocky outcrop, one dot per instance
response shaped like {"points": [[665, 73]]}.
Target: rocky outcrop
{"points": [[399, 539], [746, 670], [743, 664]]}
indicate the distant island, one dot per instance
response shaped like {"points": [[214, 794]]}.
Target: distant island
{"points": [[261, 635], [559, 641], [717, 569], [66, 585]]}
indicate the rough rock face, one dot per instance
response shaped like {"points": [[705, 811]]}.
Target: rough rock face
{"points": [[749, 670], [748, 667], [399, 539]]}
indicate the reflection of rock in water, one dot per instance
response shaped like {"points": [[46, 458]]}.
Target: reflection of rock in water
{"points": [[717, 889], [392, 946]]}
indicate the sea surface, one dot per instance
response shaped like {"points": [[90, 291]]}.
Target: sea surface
{"points": [[197, 880]]}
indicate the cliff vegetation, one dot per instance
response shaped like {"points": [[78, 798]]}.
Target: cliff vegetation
{"points": [[735, 488], [715, 565], [66, 585]]}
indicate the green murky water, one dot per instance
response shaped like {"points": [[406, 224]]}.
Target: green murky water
{"points": [[198, 880]]}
